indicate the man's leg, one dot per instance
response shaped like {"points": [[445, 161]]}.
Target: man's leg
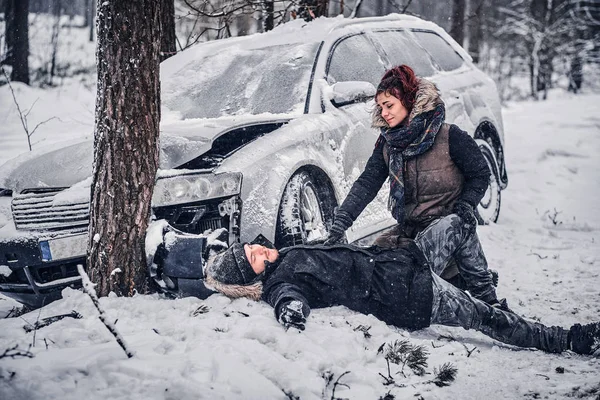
{"points": [[446, 238], [453, 307]]}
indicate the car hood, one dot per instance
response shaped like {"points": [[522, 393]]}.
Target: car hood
{"points": [[68, 163]]}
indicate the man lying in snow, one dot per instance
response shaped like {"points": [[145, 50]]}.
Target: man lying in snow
{"points": [[398, 286]]}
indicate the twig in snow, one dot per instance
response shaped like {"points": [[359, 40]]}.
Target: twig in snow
{"points": [[50, 320], [35, 326], [444, 375], [202, 309], [469, 352], [364, 330], [14, 352], [545, 376], [336, 383], [88, 288], [539, 256]]}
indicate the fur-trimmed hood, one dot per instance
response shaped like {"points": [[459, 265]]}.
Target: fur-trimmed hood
{"points": [[427, 98], [252, 291]]}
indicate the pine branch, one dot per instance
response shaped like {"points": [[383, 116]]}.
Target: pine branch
{"points": [[445, 375], [88, 288]]}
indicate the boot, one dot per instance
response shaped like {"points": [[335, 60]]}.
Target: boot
{"points": [[585, 339]]}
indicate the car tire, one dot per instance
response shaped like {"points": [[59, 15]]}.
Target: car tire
{"points": [[488, 209], [305, 211]]}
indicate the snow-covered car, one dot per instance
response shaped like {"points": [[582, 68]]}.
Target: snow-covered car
{"points": [[259, 134]]}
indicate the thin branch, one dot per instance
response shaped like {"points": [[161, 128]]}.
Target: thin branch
{"points": [[41, 123], [14, 352], [336, 383], [23, 119], [88, 288]]}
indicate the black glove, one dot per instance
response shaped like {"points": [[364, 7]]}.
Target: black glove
{"points": [[466, 213], [292, 314], [341, 222]]}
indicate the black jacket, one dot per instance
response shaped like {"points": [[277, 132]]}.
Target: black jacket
{"points": [[464, 152], [393, 285]]}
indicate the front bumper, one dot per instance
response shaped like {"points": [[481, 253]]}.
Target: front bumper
{"points": [[42, 264], [40, 267]]}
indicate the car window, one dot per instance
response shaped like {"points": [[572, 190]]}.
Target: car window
{"points": [[355, 59], [239, 80], [444, 55], [401, 49]]}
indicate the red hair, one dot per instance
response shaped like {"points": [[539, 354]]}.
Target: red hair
{"points": [[402, 83]]}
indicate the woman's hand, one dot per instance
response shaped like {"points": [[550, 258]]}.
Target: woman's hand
{"points": [[341, 222], [466, 213]]}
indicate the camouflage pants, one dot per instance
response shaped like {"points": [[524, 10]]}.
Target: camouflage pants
{"points": [[446, 239], [454, 307]]}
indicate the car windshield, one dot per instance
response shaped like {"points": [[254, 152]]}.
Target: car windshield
{"points": [[235, 81]]}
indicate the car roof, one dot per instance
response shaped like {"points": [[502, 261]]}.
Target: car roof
{"points": [[301, 32]]}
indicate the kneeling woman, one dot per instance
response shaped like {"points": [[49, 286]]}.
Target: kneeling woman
{"points": [[435, 169], [398, 286]]}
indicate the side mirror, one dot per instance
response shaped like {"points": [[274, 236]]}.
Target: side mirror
{"points": [[350, 92]]}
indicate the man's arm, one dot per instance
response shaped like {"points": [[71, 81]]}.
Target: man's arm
{"points": [[287, 299]]}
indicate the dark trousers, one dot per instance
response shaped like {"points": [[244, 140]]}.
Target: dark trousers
{"points": [[445, 240], [454, 307]]}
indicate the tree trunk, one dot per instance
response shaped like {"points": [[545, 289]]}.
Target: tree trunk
{"points": [[268, 17], [168, 40], [474, 25], [17, 39], [125, 143], [457, 31], [92, 12]]}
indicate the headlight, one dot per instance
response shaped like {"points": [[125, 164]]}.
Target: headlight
{"points": [[190, 188]]}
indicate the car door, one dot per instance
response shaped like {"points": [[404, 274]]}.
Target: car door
{"points": [[355, 58], [455, 78]]}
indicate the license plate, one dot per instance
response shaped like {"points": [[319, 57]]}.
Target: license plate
{"points": [[64, 247]]}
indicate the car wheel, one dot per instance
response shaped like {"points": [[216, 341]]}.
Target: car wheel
{"points": [[304, 211], [489, 207]]}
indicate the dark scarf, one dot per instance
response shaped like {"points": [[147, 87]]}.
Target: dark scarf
{"points": [[406, 142]]}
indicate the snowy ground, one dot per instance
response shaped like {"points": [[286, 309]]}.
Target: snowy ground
{"points": [[545, 247]]}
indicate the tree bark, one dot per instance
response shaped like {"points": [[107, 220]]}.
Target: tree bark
{"points": [[269, 18], [92, 12], [17, 39], [125, 143], [457, 31], [475, 28], [168, 40]]}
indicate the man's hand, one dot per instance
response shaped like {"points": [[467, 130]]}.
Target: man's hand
{"points": [[291, 314], [465, 211], [341, 223]]}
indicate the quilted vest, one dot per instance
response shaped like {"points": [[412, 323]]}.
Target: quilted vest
{"points": [[432, 182]]}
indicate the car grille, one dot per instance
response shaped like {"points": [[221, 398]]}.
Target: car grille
{"points": [[35, 210]]}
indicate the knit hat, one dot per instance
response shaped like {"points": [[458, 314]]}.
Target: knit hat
{"points": [[231, 267]]}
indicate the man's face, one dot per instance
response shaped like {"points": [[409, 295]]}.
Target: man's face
{"points": [[257, 255]]}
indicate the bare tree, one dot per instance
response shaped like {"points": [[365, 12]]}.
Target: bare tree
{"points": [[475, 20], [457, 31], [168, 40], [17, 39], [125, 143]]}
